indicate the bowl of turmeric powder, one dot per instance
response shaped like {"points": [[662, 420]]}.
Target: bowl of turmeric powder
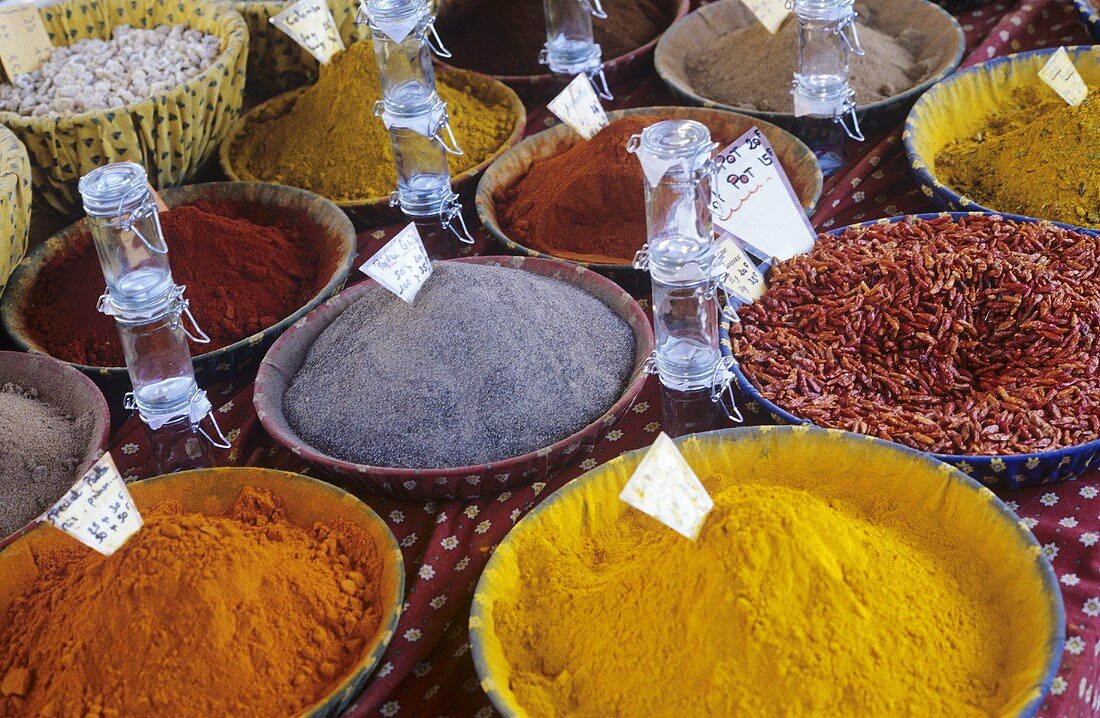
{"points": [[996, 138], [247, 592], [835, 574], [325, 137]]}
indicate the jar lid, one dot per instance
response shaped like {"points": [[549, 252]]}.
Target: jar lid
{"points": [[381, 12], [674, 139], [824, 10], [118, 185]]}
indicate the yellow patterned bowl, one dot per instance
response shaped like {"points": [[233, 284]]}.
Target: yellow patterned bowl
{"points": [[961, 106], [15, 203], [171, 134], [948, 516]]}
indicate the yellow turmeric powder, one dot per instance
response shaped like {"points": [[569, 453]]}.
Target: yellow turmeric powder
{"points": [[787, 604], [1039, 159], [331, 143], [243, 615]]}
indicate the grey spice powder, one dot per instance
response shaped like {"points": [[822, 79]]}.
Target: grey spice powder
{"points": [[486, 364]]}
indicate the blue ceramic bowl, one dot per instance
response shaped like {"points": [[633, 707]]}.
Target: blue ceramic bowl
{"points": [[1013, 471], [1090, 16], [960, 106]]}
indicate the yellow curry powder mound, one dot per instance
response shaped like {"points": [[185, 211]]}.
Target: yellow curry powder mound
{"points": [[331, 143], [786, 605], [1041, 159], [243, 615]]}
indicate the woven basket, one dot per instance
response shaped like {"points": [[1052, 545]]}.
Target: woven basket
{"points": [[171, 133], [15, 203]]}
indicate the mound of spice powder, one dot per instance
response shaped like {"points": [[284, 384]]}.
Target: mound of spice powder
{"points": [[972, 336], [1039, 159], [241, 277], [41, 447], [504, 37], [486, 364], [244, 614], [587, 204]]}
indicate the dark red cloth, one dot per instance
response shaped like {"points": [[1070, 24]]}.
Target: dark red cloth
{"points": [[427, 670]]}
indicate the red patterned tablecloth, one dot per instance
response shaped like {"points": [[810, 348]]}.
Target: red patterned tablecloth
{"points": [[427, 670]]}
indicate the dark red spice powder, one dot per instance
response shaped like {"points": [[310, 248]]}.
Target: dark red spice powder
{"points": [[241, 277]]}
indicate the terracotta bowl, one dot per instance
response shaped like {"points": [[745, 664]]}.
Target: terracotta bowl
{"points": [[1090, 16], [375, 210], [306, 501], [330, 231], [289, 351], [68, 389], [540, 88], [704, 26], [797, 160]]}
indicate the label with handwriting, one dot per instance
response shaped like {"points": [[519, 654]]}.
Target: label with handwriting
{"points": [[1060, 73], [579, 107], [24, 44], [97, 510], [752, 199], [664, 487], [310, 24], [742, 278], [770, 13], [402, 266]]}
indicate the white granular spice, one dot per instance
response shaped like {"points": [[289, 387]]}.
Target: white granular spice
{"points": [[132, 66]]}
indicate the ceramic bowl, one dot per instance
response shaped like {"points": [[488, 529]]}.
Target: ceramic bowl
{"points": [[1012, 471], [961, 105], [1090, 16], [212, 492], [704, 26], [289, 351], [797, 160], [931, 502]]}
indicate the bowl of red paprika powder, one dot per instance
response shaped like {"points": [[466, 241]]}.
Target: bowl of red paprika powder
{"points": [[254, 257]]}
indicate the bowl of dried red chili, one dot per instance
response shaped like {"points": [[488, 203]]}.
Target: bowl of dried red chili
{"points": [[972, 337], [255, 258]]}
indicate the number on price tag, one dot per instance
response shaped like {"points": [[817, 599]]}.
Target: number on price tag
{"points": [[1063, 78], [310, 24], [580, 108], [770, 13], [752, 199], [664, 487], [742, 278], [24, 44], [402, 266], [98, 510]]}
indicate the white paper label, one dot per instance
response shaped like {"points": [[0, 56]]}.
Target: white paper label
{"points": [[24, 43], [98, 510], [664, 487], [1063, 78], [770, 13], [402, 266], [310, 24], [579, 107], [752, 199], [742, 278]]}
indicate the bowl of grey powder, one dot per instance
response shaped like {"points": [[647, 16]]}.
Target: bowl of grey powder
{"points": [[721, 56], [54, 424], [501, 371]]}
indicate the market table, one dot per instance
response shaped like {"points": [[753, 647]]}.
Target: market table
{"points": [[427, 670]]}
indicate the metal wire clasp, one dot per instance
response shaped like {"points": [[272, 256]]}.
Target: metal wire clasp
{"points": [[146, 207]]}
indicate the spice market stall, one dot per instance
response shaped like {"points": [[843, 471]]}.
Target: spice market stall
{"points": [[414, 657]]}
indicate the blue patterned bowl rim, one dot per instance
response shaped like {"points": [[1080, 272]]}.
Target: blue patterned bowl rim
{"points": [[1090, 16]]}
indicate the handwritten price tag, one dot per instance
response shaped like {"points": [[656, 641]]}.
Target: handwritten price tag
{"points": [[98, 510], [770, 13], [664, 487], [402, 266], [742, 278], [580, 108], [752, 199], [310, 24], [1063, 78], [24, 44]]}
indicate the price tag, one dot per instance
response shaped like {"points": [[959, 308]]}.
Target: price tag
{"points": [[24, 44], [752, 199], [664, 487], [310, 24], [579, 107], [402, 266], [742, 278], [1063, 78], [98, 510], [770, 13]]}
